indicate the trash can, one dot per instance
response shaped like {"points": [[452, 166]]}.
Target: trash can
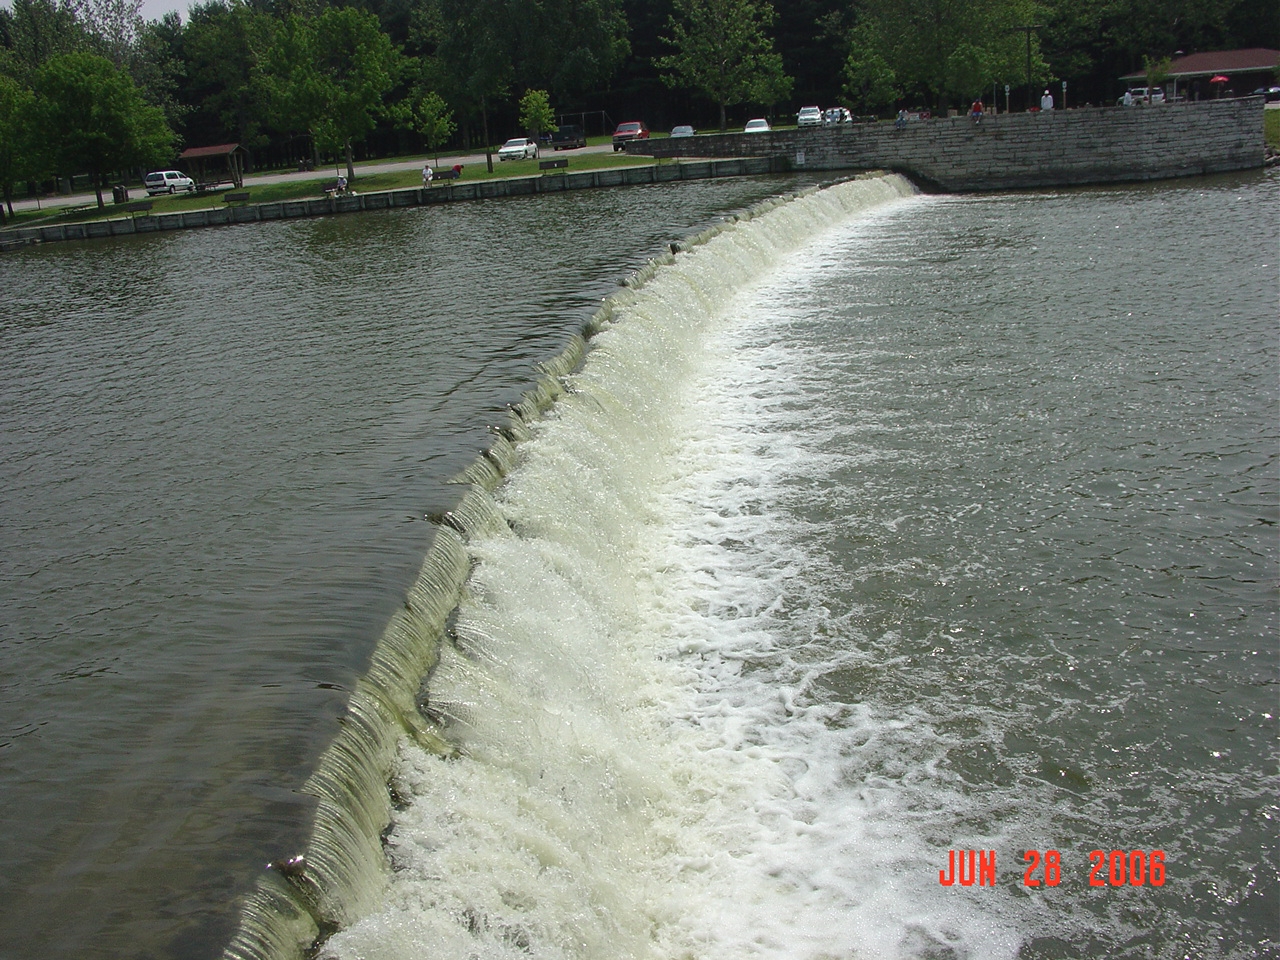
{"points": [[120, 193]]}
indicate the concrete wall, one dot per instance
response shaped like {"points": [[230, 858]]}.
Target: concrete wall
{"points": [[1014, 150], [445, 191]]}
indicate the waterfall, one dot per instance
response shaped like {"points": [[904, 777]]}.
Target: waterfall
{"points": [[519, 709]]}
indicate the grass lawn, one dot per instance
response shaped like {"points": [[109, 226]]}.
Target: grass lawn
{"points": [[1271, 127], [314, 187]]}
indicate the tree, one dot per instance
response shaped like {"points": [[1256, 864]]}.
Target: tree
{"points": [[221, 47], [941, 51], [723, 52], [566, 46], [92, 118], [426, 113], [870, 83], [536, 114], [114, 26], [17, 159], [330, 74], [39, 30]]}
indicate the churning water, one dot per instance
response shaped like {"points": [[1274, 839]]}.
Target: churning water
{"points": [[877, 528]]}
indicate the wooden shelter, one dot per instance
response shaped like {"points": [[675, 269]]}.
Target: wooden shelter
{"points": [[223, 163]]}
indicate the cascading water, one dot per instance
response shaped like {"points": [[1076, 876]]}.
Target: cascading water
{"points": [[559, 685]]}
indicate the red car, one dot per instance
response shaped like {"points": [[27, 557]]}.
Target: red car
{"points": [[631, 130]]}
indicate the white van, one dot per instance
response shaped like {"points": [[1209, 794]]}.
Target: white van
{"points": [[168, 181], [1139, 95]]}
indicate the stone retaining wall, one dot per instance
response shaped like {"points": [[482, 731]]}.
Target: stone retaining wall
{"points": [[447, 191], [1016, 150]]}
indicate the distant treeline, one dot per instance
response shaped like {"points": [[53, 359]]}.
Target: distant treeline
{"points": [[90, 87]]}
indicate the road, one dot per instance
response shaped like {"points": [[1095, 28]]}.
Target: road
{"points": [[261, 179]]}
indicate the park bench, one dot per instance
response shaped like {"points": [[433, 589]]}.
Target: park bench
{"points": [[560, 163], [236, 196], [335, 188], [140, 206], [447, 174]]}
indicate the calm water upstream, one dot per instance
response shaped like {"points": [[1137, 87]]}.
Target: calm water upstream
{"points": [[879, 529]]}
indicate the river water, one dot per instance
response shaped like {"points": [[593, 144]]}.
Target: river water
{"points": [[879, 527]]}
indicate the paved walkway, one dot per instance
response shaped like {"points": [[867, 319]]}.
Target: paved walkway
{"points": [[375, 166]]}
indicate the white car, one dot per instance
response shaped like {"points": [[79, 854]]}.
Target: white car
{"points": [[519, 148], [757, 126], [836, 115], [168, 181], [684, 130], [1141, 95], [809, 117]]}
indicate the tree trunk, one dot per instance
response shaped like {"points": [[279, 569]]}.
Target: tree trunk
{"points": [[723, 123], [488, 153]]}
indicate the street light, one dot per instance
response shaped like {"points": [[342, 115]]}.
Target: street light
{"points": [[1027, 30]]}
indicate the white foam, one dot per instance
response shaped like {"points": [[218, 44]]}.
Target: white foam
{"points": [[645, 772]]}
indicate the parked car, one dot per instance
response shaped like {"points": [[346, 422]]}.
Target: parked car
{"points": [[809, 117], [1140, 95], [168, 181], [757, 126], [1271, 93], [568, 137], [836, 115], [518, 148], [684, 130], [631, 130]]}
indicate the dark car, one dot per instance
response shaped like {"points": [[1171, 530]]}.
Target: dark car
{"points": [[568, 137], [631, 130]]}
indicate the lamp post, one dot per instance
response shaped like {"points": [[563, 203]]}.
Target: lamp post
{"points": [[1064, 94], [1027, 30]]}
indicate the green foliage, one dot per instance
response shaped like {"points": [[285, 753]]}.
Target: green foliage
{"points": [[870, 83], [1271, 128], [722, 50], [91, 117], [17, 154], [1156, 69], [536, 114], [114, 26], [329, 75], [222, 46], [941, 51], [426, 113], [484, 48], [39, 30]]}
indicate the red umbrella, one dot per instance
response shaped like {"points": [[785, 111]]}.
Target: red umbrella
{"points": [[1219, 79]]}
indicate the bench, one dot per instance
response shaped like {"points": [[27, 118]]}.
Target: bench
{"points": [[236, 196], [446, 174], [559, 163], [140, 206]]}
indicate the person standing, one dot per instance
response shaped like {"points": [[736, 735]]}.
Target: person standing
{"points": [[1046, 102]]}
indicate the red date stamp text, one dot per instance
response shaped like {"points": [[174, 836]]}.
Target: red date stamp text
{"points": [[1045, 868]]}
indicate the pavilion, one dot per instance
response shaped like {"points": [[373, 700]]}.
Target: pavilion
{"points": [[228, 161], [1244, 69]]}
